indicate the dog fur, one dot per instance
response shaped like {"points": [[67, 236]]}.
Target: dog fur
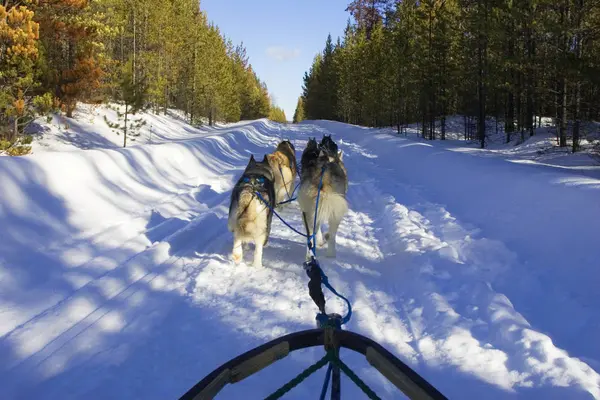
{"points": [[249, 217], [329, 146], [283, 164], [332, 201]]}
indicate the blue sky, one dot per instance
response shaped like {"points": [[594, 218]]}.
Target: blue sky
{"points": [[281, 37]]}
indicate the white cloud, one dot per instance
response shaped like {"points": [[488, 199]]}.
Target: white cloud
{"points": [[281, 53]]}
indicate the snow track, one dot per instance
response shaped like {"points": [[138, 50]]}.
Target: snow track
{"points": [[115, 278]]}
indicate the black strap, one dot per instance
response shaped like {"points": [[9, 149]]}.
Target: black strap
{"points": [[315, 290]]}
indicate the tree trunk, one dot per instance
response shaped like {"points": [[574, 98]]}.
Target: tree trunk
{"points": [[563, 113], [481, 95], [133, 66], [563, 79], [576, 117], [443, 126], [530, 60], [496, 117], [577, 111], [519, 103], [193, 106], [482, 58], [509, 122], [15, 132], [444, 99], [125, 127], [166, 105]]}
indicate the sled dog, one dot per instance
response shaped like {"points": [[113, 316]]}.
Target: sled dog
{"points": [[329, 146], [332, 201], [283, 165], [249, 217]]}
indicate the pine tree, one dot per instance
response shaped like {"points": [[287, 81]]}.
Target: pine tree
{"points": [[133, 93], [299, 113], [419, 61], [367, 13], [71, 32], [18, 54], [21, 99], [277, 114]]}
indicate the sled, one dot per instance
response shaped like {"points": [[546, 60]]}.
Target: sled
{"points": [[333, 339]]}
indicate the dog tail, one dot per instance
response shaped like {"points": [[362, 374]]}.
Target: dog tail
{"points": [[238, 207], [332, 206]]}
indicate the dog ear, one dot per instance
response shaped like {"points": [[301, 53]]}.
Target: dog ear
{"points": [[252, 160], [341, 155]]}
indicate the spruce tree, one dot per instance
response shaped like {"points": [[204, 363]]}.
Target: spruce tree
{"points": [[299, 113]]}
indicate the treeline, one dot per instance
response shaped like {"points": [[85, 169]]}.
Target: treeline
{"points": [[412, 61], [142, 53]]}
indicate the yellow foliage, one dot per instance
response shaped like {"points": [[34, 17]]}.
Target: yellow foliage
{"points": [[4, 144], [19, 150], [19, 32]]}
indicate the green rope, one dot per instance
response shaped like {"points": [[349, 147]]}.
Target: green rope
{"points": [[300, 377], [329, 357], [363, 386]]}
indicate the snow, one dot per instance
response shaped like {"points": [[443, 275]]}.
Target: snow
{"points": [[540, 150], [476, 269], [89, 129]]}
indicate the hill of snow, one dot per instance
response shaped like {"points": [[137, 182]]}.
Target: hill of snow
{"points": [[89, 129], [477, 270]]}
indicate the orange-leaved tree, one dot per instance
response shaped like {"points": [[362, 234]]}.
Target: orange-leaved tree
{"points": [[18, 53], [71, 33]]}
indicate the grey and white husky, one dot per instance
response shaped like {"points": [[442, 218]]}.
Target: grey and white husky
{"points": [[332, 200], [249, 217]]}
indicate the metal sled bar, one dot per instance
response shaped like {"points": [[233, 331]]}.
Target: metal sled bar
{"points": [[400, 374]]}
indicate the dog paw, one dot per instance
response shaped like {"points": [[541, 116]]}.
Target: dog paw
{"points": [[237, 258], [330, 253], [257, 265]]}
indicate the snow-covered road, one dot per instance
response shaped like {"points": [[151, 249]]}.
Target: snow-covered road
{"points": [[115, 281]]}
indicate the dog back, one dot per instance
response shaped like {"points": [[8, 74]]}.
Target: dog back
{"points": [[310, 154], [257, 177], [288, 150]]}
